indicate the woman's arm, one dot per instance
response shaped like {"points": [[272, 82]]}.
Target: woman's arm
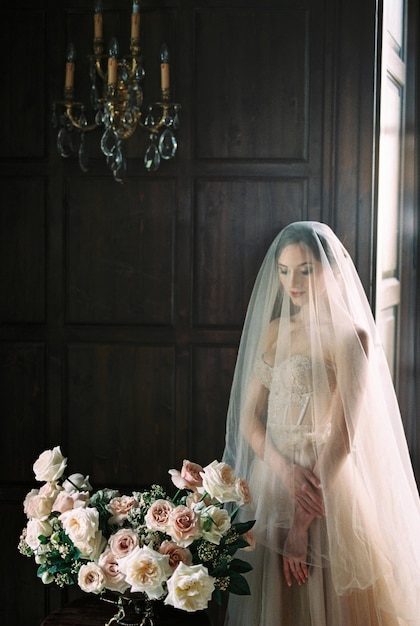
{"points": [[302, 485]]}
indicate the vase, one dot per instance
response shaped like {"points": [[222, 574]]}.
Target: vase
{"points": [[131, 609]]}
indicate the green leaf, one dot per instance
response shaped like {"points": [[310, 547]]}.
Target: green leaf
{"points": [[243, 527], [237, 565], [238, 585], [217, 596]]}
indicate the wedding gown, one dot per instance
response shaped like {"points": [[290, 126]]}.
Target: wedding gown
{"points": [[312, 392], [295, 386]]}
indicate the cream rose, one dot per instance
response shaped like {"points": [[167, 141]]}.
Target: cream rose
{"points": [[119, 507], [175, 553], [34, 529], [183, 525], [77, 482], [146, 570], [91, 548], [80, 524], [50, 465], [123, 542], [91, 578], [215, 522], [115, 579], [189, 477], [219, 481], [157, 517], [190, 588]]}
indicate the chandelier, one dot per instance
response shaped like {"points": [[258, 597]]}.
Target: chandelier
{"points": [[116, 98]]}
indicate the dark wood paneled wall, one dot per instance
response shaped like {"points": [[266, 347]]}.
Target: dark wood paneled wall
{"points": [[121, 305]]}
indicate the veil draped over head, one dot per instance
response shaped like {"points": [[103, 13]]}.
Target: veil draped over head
{"points": [[312, 390]]}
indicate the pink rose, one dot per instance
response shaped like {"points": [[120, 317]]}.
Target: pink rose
{"points": [[250, 538], [123, 542], [189, 477], [66, 501], [115, 579], [184, 526], [120, 507], [176, 554], [243, 491], [157, 517]]}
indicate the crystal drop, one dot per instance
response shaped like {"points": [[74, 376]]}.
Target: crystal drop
{"points": [[120, 173], [167, 144], [94, 98], [108, 142], [139, 73], [64, 143], [83, 159], [175, 123], [98, 118], [152, 158], [83, 119]]}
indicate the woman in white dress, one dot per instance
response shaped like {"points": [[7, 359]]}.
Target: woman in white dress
{"points": [[314, 425]]}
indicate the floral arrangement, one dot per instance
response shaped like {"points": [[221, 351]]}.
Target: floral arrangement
{"points": [[178, 549]]}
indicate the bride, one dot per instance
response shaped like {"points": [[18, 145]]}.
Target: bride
{"points": [[314, 425]]}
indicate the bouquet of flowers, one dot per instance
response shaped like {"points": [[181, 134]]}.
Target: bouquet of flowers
{"points": [[178, 549]]}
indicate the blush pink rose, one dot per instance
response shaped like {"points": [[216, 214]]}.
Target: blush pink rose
{"points": [[189, 477], [184, 526], [157, 517], [115, 579], [176, 554], [243, 491], [36, 506], [120, 507], [123, 542], [66, 501]]}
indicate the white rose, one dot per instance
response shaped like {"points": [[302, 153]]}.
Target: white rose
{"points": [[91, 578], [77, 482], [145, 570], [81, 524], [190, 588], [219, 481], [34, 529], [215, 522], [50, 465]]}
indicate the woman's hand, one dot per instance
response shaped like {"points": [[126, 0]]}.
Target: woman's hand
{"points": [[295, 549], [305, 488], [295, 554]]}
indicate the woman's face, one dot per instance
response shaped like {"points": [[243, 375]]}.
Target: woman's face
{"points": [[300, 273]]}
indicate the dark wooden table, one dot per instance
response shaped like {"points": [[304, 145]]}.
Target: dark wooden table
{"points": [[92, 611]]}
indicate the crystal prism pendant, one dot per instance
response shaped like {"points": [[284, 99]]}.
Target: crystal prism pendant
{"points": [[152, 158], [108, 142], [167, 144]]}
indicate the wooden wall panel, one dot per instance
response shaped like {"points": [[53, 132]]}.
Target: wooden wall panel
{"points": [[23, 104], [120, 415], [22, 249], [235, 222], [22, 407], [212, 370], [253, 90], [120, 251]]}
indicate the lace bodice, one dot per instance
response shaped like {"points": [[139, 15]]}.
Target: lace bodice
{"points": [[295, 384]]}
